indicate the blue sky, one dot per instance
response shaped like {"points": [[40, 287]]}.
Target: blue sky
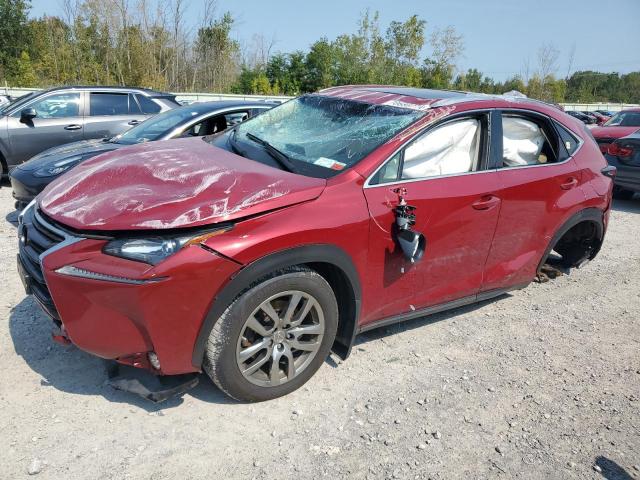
{"points": [[499, 34]]}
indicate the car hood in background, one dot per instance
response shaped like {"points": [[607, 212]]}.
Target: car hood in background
{"points": [[84, 148], [173, 184], [613, 132]]}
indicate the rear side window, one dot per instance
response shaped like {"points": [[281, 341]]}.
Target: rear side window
{"points": [[528, 140], [134, 108], [108, 104], [569, 141], [148, 106]]}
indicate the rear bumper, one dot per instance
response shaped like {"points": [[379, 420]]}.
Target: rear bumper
{"points": [[139, 310], [627, 176]]}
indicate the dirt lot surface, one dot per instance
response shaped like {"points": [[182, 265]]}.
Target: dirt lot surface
{"points": [[543, 383]]}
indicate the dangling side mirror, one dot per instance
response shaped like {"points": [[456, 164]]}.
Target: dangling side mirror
{"points": [[28, 114], [412, 244]]}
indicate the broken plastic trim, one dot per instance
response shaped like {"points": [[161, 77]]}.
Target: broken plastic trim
{"points": [[81, 273]]}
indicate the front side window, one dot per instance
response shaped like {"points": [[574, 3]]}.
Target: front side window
{"points": [[58, 106], [449, 149], [527, 141], [324, 135], [157, 126], [108, 104]]}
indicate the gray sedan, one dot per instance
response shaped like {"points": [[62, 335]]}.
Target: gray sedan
{"points": [[197, 119]]}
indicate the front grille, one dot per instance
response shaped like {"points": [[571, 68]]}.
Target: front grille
{"points": [[37, 236]]}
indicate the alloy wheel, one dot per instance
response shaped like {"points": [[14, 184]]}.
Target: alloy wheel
{"points": [[280, 338]]}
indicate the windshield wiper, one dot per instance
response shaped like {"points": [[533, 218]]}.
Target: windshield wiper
{"points": [[276, 154]]}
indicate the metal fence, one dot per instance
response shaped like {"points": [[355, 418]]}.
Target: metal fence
{"points": [[208, 97]]}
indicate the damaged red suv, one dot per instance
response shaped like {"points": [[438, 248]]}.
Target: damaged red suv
{"points": [[254, 253]]}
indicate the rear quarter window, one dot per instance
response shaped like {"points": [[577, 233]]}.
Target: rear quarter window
{"points": [[148, 106]]}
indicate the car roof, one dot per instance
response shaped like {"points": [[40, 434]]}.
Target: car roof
{"points": [[419, 98], [204, 107], [146, 91]]}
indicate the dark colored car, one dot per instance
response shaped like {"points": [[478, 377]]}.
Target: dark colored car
{"points": [[195, 120], [250, 255], [605, 113], [586, 119], [45, 119], [600, 119], [624, 154], [622, 124]]}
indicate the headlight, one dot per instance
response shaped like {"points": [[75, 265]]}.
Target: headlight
{"points": [[58, 167], [153, 250]]}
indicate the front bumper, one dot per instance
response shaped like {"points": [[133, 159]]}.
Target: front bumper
{"points": [[25, 185], [138, 310]]}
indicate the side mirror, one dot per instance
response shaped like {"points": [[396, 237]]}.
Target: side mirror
{"points": [[28, 114], [412, 244]]}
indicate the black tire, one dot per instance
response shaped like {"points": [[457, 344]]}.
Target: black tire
{"points": [[220, 361], [622, 193]]}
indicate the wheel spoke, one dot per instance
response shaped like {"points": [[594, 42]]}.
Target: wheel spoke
{"points": [[309, 304], [254, 324], [249, 352], [293, 304], [274, 371], [310, 346], [313, 329], [291, 367], [271, 313], [257, 364]]}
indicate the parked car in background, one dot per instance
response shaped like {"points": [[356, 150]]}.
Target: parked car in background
{"points": [[252, 254], [45, 119], [586, 119], [4, 100], [195, 120], [624, 154], [606, 113], [600, 119], [620, 125]]}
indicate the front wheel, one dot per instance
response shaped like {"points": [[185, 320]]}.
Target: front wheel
{"points": [[273, 337]]}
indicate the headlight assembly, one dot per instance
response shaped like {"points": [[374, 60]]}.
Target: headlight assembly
{"points": [[153, 250]]}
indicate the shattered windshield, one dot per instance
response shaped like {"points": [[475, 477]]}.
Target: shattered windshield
{"points": [[330, 133]]}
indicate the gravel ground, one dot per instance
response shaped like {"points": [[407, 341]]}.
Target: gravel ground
{"points": [[542, 383]]}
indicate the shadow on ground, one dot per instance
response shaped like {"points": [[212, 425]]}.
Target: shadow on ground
{"points": [[71, 370], [611, 470]]}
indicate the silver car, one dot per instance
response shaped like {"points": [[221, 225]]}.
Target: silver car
{"points": [[48, 118]]}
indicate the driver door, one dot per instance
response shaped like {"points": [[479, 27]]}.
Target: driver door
{"points": [[443, 172]]}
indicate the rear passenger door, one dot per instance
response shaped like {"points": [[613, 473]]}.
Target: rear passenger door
{"points": [[539, 186], [111, 113]]}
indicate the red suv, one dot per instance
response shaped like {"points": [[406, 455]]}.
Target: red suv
{"points": [[251, 254]]}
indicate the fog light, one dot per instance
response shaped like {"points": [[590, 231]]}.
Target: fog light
{"points": [[153, 360]]}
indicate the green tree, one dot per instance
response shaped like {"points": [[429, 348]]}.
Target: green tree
{"points": [[14, 39]]}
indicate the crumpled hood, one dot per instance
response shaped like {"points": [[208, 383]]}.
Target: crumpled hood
{"points": [[172, 184], [613, 132], [84, 148]]}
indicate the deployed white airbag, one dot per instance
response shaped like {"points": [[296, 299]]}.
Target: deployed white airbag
{"points": [[522, 142], [449, 149]]}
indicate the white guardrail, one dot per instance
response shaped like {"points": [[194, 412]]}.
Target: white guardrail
{"points": [[208, 97]]}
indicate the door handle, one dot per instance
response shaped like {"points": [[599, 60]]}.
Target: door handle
{"points": [[73, 126], [134, 122], [569, 183], [487, 202]]}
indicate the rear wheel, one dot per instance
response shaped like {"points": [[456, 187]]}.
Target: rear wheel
{"points": [[273, 337], [622, 193]]}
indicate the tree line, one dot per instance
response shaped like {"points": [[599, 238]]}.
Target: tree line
{"points": [[149, 43]]}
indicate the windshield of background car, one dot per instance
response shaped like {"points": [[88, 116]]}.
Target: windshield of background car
{"points": [[157, 126], [330, 133], [624, 119]]}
